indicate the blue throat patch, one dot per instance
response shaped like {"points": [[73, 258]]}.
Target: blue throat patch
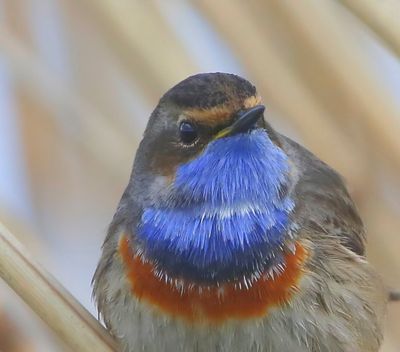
{"points": [[227, 215]]}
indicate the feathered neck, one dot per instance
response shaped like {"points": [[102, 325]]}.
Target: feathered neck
{"points": [[227, 215]]}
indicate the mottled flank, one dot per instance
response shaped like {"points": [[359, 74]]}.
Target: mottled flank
{"points": [[212, 304]]}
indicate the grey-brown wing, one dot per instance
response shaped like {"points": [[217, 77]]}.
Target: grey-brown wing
{"points": [[322, 200]]}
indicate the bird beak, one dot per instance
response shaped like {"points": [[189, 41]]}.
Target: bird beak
{"points": [[244, 122]]}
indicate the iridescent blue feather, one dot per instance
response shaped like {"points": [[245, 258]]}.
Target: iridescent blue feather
{"points": [[226, 214]]}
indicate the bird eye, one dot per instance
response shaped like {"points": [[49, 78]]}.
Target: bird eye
{"points": [[188, 132]]}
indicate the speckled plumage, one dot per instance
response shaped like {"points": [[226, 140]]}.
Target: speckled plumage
{"points": [[205, 226]]}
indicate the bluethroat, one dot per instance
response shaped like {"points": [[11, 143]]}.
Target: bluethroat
{"points": [[232, 237]]}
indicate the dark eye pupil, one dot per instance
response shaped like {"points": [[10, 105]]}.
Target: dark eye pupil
{"points": [[188, 132]]}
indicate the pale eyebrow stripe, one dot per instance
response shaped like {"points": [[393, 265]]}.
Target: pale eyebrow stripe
{"points": [[221, 113]]}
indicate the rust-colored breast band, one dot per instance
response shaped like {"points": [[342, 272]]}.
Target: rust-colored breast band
{"points": [[212, 305]]}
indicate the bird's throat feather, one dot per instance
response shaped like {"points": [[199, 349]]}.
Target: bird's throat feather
{"points": [[226, 215]]}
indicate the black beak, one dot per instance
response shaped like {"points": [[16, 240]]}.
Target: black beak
{"points": [[244, 122], [247, 119]]}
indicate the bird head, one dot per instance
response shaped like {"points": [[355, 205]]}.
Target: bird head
{"points": [[210, 184]]}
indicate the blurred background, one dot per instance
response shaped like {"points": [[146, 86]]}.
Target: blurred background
{"points": [[79, 78]]}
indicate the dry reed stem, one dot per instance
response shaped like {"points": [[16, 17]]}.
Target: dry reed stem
{"points": [[325, 34], [140, 34], [48, 299], [95, 134], [381, 16]]}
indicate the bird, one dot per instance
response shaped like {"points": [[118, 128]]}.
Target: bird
{"points": [[232, 237]]}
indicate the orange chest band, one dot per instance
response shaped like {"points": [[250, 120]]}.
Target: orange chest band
{"points": [[212, 304]]}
